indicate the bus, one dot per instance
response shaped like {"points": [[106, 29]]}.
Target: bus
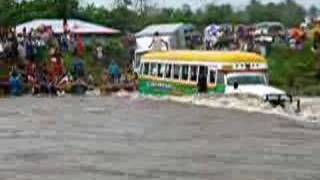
{"points": [[227, 72]]}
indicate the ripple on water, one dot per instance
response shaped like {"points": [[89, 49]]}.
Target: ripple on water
{"points": [[95, 110], [9, 113]]}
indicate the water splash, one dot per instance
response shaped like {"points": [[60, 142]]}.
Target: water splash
{"points": [[309, 115]]}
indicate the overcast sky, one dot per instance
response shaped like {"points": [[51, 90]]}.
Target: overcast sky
{"points": [[198, 3]]}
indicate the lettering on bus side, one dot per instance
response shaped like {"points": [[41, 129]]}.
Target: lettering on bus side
{"points": [[162, 86]]}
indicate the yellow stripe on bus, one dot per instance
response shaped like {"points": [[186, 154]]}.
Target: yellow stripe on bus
{"points": [[206, 56]]}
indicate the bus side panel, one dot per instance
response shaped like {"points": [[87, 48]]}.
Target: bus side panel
{"points": [[220, 89], [162, 88], [221, 81]]}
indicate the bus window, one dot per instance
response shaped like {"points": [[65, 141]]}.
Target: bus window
{"points": [[194, 73], [161, 70], [185, 72], [137, 61], [220, 78], [168, 71], [146, 69], [176, 71], [212, 77], [153, 69], [141, 68]]}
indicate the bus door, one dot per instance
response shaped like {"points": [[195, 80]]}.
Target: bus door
{"points": [[203, 79]]}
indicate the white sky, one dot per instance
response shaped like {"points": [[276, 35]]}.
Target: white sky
{"points": [[199, 3]]}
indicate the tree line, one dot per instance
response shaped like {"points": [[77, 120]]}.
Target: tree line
{"points": [[133, 15]]}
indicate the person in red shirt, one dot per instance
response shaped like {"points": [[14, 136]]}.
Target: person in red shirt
{"points": [[31, 72], [80, 45], [298, 34], [56, 70], [58, 65], [53, 79]]}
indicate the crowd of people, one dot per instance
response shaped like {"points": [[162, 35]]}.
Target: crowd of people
{"points": [[258, 38], [36, 60]]}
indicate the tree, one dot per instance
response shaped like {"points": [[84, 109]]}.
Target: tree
{"points": [[216, 14], [133, 15], [7, 9], [313, 11], [66, 8], [291, 13], [141, 5], [122, 3]]}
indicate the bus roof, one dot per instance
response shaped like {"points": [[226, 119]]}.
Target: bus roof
{"points": [[206, 56]]}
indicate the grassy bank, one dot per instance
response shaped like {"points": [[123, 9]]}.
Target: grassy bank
{"points": [[294, 71]]}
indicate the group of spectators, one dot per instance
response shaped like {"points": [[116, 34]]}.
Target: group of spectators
{"points": [[37, 64], [242, 37], [257, 39], [36, 60]]}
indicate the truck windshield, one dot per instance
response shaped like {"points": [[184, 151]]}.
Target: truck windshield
{"points": [[256, 79]]}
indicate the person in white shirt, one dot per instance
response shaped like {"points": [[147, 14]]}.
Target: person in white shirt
{"points": [[157, 43]]}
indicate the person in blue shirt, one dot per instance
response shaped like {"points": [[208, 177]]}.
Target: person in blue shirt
{"points": [[115, 72], [16, 86], [78, 67], [79, 86]]}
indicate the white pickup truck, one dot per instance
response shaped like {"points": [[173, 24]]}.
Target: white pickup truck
{"points": [[255, 84]]}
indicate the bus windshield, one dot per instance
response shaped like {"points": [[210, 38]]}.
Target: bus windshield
{"points": [[247, 79]]}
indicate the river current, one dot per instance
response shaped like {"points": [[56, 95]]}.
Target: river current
{"points": [[126, 136]]}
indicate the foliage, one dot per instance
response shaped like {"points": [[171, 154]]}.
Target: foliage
{"points": [[293, 70], [288, 12], [133, 15], [116, 51], [92, 67]]}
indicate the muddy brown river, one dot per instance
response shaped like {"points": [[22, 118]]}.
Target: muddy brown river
{"points": [[116, 138]]}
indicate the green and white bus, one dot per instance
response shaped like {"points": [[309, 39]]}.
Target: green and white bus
{"points": [[177, 73]]}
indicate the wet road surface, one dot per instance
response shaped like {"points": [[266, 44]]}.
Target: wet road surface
{"points": [[116, 138]]}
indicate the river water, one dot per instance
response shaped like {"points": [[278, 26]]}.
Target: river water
{"points": [[122, 137]]}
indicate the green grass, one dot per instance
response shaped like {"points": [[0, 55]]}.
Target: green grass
{"points": [[294, 71]]}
